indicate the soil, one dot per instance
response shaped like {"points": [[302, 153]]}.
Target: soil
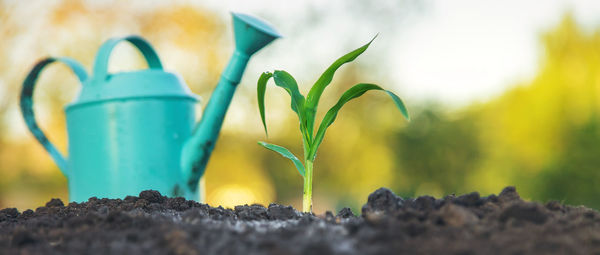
{"points": [[154, 224]]}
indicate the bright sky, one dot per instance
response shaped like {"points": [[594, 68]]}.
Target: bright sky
{"points": [[456, 51], [472, 50]]}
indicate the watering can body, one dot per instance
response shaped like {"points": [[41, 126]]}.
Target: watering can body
{"points": [[121, 146], [118, 152], [134, 131]]}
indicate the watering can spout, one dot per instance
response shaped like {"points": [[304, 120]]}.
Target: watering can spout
{"points": [[251, 35]]}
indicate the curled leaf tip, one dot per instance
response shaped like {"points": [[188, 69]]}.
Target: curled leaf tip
{"points": [[373, 39], [400, 104]]}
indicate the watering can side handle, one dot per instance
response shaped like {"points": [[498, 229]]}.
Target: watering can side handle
{"points": [[26, 104], [101, 62]]}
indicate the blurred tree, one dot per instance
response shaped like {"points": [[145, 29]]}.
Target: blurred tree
{"points": [[574, 177], [570, 75], [437, 152]]}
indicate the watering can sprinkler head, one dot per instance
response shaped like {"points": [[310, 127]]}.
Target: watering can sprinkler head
{"points": [[251, 34]]}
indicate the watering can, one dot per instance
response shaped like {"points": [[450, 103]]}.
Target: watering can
{"points": [[133, 131]]}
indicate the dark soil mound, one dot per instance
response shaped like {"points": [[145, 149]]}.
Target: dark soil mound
{"points": [[153, 224]]}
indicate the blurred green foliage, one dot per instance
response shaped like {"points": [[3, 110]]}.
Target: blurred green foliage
{"points": [[574, 177], [437, 152]]}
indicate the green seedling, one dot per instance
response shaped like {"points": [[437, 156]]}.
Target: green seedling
{"points": [[306, 110]]}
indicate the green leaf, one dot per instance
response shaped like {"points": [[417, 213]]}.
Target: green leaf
{"points": [[285, 153], [260, 92], [312, 99], [354, 92], [399, 104], [287, 82]]}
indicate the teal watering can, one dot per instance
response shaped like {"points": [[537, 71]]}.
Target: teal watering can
{"points": [[133, 131]]}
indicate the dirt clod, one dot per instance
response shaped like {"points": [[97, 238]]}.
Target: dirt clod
{"points": [[471, 199], [509, 194], [253, 212], [152, 196], [8, 213], [525, 212], [55, 202], [382, 200], [280, 212], [154, 224], [457, 216], [345, 213]]}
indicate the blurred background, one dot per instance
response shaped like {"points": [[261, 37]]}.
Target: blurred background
{"points": [[500, 93]]}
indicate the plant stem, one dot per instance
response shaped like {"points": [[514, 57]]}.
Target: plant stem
{"points": [[307, 197]]}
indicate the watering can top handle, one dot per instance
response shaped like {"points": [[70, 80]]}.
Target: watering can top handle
{"points": [[101, 63], [26, 104]]}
